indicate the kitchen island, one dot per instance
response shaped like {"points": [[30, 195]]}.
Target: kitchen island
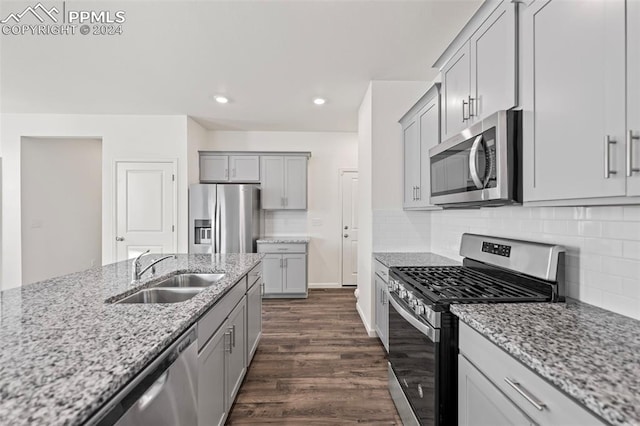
{"points": [[66, 349]]}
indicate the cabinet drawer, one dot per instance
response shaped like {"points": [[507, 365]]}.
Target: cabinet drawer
{"points": [[254, 275], [382, 271], [282, 248], [497, 365], [214, 318]]}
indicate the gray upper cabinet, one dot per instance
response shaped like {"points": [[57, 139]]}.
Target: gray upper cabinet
{"points": [[456, 93], [574, 100], [633, 98], [229, 168], [244, 168], [284, 182], [214, 168], [420, 133], [480, 77]]}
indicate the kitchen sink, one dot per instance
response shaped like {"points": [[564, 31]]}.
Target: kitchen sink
{"points": [[162, 295], [190, 280]]}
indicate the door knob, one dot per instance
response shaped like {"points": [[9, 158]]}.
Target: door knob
{"points": [[119, 238], [346, 227], [346, 235]]}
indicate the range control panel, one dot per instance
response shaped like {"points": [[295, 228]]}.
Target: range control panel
{"points": [[497, 249]]}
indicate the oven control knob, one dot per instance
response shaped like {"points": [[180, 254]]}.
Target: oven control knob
{"points": [[419, 308], [402, 293], [410, 296]]}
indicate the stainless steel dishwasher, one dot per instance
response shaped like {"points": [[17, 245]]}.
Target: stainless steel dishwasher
{"points": [[164, 394]]}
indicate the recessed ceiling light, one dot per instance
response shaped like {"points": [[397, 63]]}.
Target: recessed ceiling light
{"points": [[221, 99], [319, 101]]}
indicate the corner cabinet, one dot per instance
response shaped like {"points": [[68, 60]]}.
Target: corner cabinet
{"points": [[284, 182], [480, 78], [220, 168], [420, 132], [496, 389], [381, 279], [580, 96], [284, 269]]}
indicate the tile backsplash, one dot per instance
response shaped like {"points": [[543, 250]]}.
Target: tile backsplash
{"points": [[603, 245], [283, 222], [398, 230]]}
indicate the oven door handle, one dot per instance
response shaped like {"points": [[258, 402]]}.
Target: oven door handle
{"points": [[432, 333], [473, 163]]}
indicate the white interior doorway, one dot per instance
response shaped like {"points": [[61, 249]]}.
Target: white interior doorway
{"points": [[146, 208], [61, 206], [349, 229]]}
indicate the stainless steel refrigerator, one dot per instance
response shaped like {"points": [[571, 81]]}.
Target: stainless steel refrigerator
{"points": [[224, 218]]}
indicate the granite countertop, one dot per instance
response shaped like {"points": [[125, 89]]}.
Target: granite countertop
{"points": [[284, 240], [413, 259], [591, 354], [65, 351]]}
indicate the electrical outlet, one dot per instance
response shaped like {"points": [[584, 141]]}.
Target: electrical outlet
{"points": [[92, 263], [316, 222]]}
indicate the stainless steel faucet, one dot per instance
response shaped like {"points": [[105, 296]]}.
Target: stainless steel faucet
{"points": [[137, 273]]}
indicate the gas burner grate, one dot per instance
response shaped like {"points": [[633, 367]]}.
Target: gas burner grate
{"points": [[448, 284]]}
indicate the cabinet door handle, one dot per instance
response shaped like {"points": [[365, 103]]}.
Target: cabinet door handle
{"points": [[464, 118], [282, 201], [607, 167], [419, 196], [281, 264], [630, 139], [471, 100], [227, 349], [525, 394], [226, 173], [233, 335], [285, 263], [233, 172]]}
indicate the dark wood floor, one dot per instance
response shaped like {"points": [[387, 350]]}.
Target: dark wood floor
{"points": [[315, 365]]}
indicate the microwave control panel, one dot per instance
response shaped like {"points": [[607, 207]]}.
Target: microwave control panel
{"points": [[497, 249]]}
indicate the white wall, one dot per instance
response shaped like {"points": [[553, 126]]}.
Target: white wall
{"points": [[61, 206], [130, 137], [603, 262], [364, 304], [322, 220], [197, 140], [383, 223]]}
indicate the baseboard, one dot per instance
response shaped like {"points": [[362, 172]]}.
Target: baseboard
{"points": [[325, 285], [370, 331]]}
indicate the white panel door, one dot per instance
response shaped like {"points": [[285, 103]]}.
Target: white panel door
{"points": [[573, 99], [633, 95], [493, 60], [455, 93], [145, 206], [411, 152], [244, 168], [429, 129], [295, 269], [349, 228], [295, 175], [214, 168], [272, 182], [480, 403]]}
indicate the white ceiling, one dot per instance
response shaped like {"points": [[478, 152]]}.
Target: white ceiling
{"points": [[270, 58]]}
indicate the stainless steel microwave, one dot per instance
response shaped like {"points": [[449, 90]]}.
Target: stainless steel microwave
{"points": [[480, 166]]}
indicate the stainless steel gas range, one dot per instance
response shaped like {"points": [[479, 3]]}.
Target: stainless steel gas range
{"points": [[423, 334]]}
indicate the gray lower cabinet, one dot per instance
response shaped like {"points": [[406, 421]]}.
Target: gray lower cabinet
{"points": [[228, 335], [213, 398], [254, 317], [284, 269], [496, 389], [381, 276]]}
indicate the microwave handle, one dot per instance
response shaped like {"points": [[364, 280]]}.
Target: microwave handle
{"points": [[473, 164]]}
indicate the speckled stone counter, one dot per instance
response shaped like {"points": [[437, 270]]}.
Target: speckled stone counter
{"points": [[64, 351], [284, 240], [413, 259], [591, 354]]}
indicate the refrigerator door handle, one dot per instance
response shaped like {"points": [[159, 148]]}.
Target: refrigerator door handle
{"points": [[217, 218]]}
